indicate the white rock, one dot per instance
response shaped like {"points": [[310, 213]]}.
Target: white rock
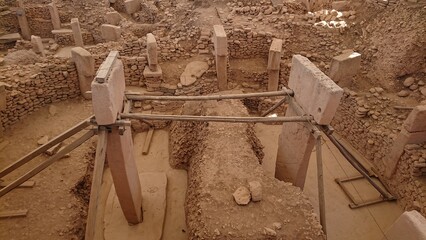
{"points": [[193, 71]]}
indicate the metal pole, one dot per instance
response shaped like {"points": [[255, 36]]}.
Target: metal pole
{"points": [[140, 97], [274, 107], [320, 176], [217, 118]]}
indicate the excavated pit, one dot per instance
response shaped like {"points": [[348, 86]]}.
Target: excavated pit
{"points": [[220, 157]]}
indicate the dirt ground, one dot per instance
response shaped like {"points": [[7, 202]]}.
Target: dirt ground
{"points": [[54, 211]]}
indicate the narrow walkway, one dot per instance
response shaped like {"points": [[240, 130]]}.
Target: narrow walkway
{"points": [[367, 223]]}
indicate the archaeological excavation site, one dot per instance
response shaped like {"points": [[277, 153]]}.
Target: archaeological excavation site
{"points": [[213, 119]]}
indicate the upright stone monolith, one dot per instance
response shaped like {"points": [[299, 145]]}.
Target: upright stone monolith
{"points": [[220, 42], [274, 61], [85, 64], [54, 16], [23, 22], [38, 45], [76, 31]]}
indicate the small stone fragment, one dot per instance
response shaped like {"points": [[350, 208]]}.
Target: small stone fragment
{"points": [[256, 191], [403, 93], [242, 196], [277, 225], [43, 140], [408, 82], [269, 232]]}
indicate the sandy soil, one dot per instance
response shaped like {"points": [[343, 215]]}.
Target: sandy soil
{"points": [[53, 210]]}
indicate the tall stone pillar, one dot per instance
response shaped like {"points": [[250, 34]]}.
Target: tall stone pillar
{"points": [[152, 73], [85, 64], [318, 96], [23, 22], [274, 60], [220, 42], [107, 98], [54, 15], [38, 45], [76, 31]]}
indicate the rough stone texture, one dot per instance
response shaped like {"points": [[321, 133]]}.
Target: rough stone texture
{"points": [[220, 43], [220, 158], [110, 32], [416, 120], [192, 72], [76, 31], [132, 6], [255, 191], [38, 45], [409, 226], [113, 18], [344, 67], [316, 93], [151, 51], [54, 15], [108, 97], [242, 196], [85, 64]]}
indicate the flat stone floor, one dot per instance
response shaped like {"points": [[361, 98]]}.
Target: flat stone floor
{"points": [[368, 223]]}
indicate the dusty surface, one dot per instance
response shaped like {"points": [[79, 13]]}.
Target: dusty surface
{"points": [[54, 212], [222, 162]]}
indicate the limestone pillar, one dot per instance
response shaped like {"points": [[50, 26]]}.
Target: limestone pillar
{"points": [[410, 225], [344, 66], [107, 98], [152, 73], [76, 31], [23, 22], [274, 60], [413, 132], [85, 64], [318, 96], [54, 15], [110, 32], [38, 45], [221, 56]]}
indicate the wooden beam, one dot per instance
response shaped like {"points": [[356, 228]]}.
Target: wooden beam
{"points": [[27, 184], [217, 118], [70, 132], [95, 189], [140, 97], [47, 163], [14, 213], [147, 142]]}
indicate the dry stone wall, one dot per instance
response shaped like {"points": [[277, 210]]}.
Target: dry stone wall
{"points": [[39, 20], [30, 87]]}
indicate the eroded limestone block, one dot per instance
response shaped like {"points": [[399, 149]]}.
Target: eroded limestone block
{"points": [[76, 31], [132, 6], [113, 18], [409, 226], [37, 45], [220, 40], [193, 71], [110, 32], [316, 93], [416, 120], [151, 51], [274, 58], [344, 67], [85, 64]]}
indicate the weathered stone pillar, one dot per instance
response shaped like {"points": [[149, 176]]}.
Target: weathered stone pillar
{"points": [[413, 132], [76, 31], [410, 225], [107, 97], [344, 66], [317, 96], [221, 56], [38, 45], [54, 15], [110, 32], [152, 73], [23, 22], [85, 64], [274, 60]]}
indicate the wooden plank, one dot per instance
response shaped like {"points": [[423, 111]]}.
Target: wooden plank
{"points": [[47, 163], [147, 142], [14, 213], [70, 132], [27, 184], [96, 184]]}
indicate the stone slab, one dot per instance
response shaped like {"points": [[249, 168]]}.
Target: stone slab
{"points": [[113, 18], [151, 51], [62, 32], [107, 97], [148, 73], [85, 64], [37, 45], [273, 81], [222, 73], [54, 15], [416, 120], [132, 6], [124, 173], [154, 186], [409, 226], [343, 67], [274, 58], [11, 37], [110, 32], [192, 72], [220, 40], [316, 93], [76, 30]]}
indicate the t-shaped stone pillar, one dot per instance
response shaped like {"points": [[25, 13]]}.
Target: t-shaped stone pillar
{"points": [[413, 132], [274, 60], [23, 22], [85, 64], [54, 16], [76, 31], [317, 96], [221, 55], [38, 45], [107, 97], [152, 73]]}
